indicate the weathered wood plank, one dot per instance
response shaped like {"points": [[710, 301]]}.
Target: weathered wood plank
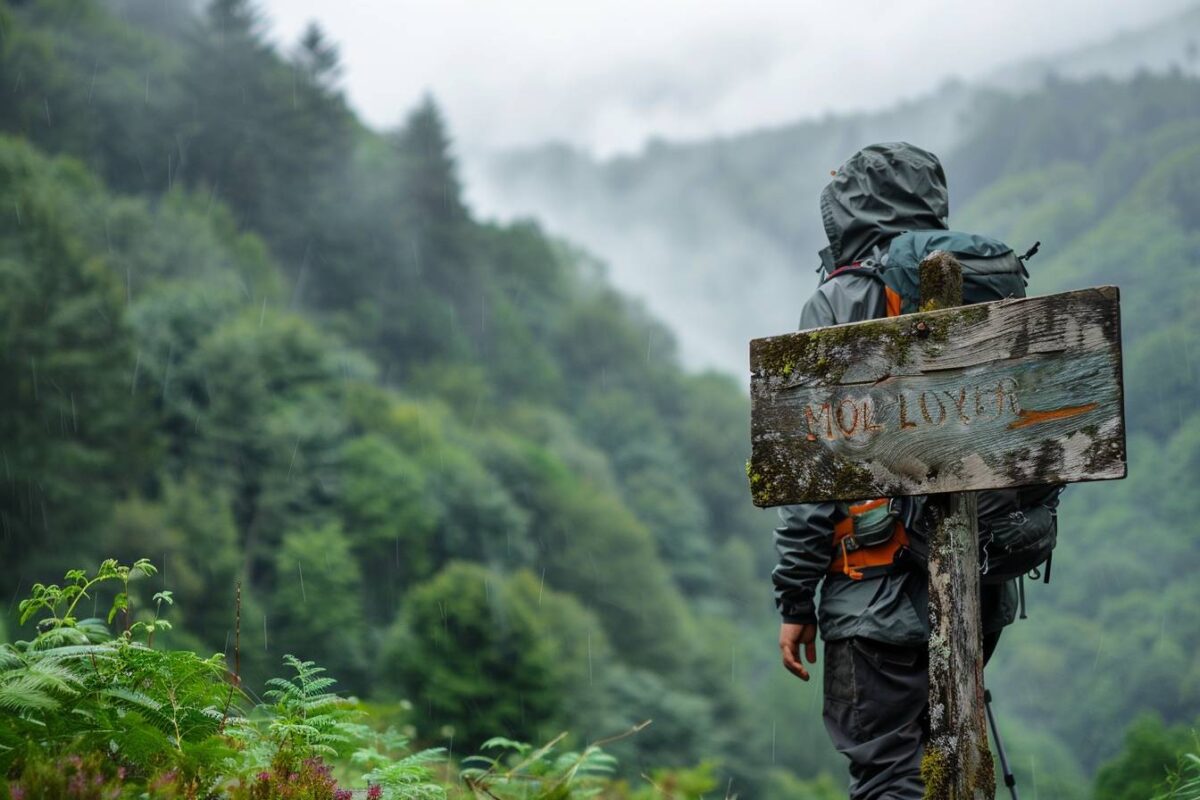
{"points": [[1011, 393]]}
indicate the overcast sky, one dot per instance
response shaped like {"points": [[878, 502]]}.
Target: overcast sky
{"points": [[606, 75]]}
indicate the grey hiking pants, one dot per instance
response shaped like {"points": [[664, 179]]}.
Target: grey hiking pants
{"points": [[875, 712], [876, 702]]}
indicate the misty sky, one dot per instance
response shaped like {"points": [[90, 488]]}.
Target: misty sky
{"points": [[606, 75]]}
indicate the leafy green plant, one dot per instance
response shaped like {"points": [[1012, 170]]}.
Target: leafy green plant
{"points": [[286, 742], [307, 717], [75, 688], [60, 601], [87, 712], [90, 713], [520, 770], [1152, 762], [301, 725], [401, 775], [1184, 782]]}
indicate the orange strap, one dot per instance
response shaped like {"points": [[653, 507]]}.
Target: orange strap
{"points": [[893, 301], [851, 562]]}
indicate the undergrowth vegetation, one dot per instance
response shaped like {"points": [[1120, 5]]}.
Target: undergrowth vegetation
{"points": [[91, 709]]}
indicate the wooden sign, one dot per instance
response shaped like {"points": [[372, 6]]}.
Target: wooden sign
{"points": [[987, 396]]}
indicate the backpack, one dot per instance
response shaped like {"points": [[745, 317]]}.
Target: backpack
{"points": [[1018, 528], [991, 270]]}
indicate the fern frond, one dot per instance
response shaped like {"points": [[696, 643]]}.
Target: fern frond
{"points": [[64, 677], [150, 709], [410, 778], [25, 694], [317, 685], [501, 743], [37, 685], [59, 637], [10, 658]]}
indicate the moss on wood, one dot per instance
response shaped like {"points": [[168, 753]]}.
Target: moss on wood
{"points": [[937, 770], [941, 281], [784, 470], [941, 774], [822, 356], [985, 777]]}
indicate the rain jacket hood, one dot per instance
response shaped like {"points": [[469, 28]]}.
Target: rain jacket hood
{"points": [[880, 192]]}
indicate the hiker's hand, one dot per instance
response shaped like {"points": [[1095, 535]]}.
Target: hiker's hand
{"points": [[790, 638]]}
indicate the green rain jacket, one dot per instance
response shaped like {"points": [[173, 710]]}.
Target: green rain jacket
{"points": [[880, 192]]}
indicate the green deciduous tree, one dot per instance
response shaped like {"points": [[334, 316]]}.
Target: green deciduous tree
{"points": [[595, 548], [477, 652], [270, 423], [190, 529], [317, 603], [74, 434], [390, 517]]}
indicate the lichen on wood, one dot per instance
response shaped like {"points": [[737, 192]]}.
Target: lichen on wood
{"points": [[957, 763]]}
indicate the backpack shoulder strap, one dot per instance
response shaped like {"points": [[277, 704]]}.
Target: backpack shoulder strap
{"points": [[870, 269], [857, 268]]}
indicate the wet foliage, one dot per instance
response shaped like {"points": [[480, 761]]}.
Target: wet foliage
{"points": [[442, 457], [446, 460]]}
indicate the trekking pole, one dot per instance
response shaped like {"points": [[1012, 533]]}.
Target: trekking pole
{"points": [[1009, 779]]}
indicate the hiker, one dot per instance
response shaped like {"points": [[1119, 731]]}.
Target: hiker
{"points": [[887, 207]]}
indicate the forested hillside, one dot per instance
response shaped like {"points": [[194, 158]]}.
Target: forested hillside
{"points": [[247, 337], [1105, 174]]}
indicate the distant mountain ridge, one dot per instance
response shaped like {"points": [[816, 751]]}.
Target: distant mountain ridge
{"points": [[718, 237], [1173, 43]]}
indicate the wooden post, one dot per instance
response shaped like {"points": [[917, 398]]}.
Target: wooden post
{"points": [[957, 764]]}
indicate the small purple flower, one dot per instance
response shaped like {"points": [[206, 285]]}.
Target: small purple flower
{"points": [[120, 773], [263, 777], [340, 794], [374, 792], [17, 792]]}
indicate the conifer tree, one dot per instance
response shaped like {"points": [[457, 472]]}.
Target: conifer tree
{"points": [[318, 58], [262, 134], [431, 198]]}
